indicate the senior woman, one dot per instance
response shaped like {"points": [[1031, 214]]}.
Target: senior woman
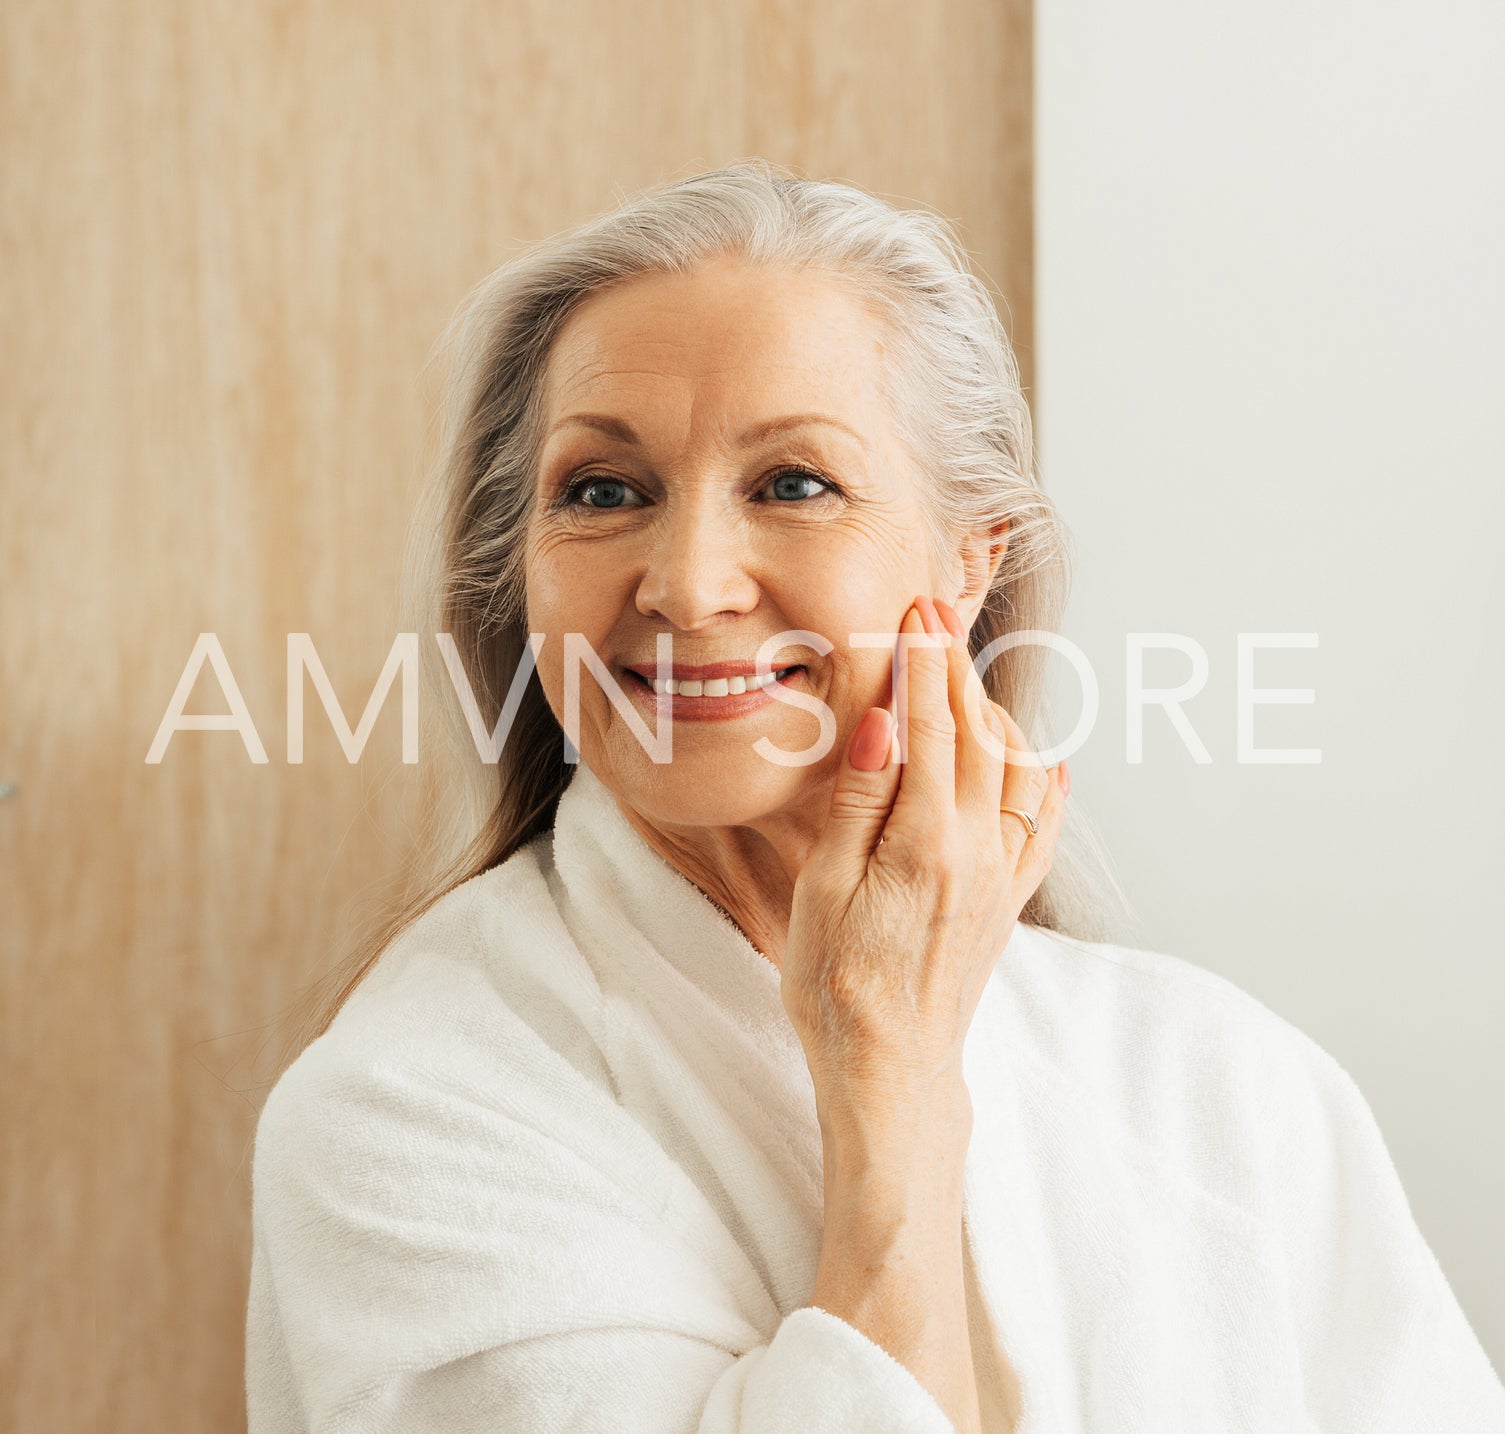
{"points": [[775, 1076]]}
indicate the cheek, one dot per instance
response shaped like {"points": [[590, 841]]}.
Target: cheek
{"points": [[869, 683], [558, 603], [867, 595], [860, 620], [569, 589]]}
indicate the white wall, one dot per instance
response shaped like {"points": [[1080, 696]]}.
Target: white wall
{"points": [[1271, 397]]}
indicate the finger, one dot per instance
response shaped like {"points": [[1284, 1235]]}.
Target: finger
{"points": [[981, 736], [927, 733], [1025, 783], [860, 802], [1040, 849]]}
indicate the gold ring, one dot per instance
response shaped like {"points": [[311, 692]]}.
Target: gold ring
{"points": [[1029, 821]]}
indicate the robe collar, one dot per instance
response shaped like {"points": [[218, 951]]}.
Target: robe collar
{"points": [[636, 909], [597, 849]]}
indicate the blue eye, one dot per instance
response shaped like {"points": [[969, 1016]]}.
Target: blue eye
{"points": [[790, 485], [802, 475], [576, 492]]}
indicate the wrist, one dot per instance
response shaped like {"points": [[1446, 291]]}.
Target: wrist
{"points": [[877, 1135]]}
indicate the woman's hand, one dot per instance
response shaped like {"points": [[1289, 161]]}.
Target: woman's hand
{"points": [[911, 893]]}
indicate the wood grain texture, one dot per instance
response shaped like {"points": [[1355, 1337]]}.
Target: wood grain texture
{"points": [[229, 236]]}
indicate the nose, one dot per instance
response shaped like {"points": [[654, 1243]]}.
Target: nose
{"points": [[695, 565]]}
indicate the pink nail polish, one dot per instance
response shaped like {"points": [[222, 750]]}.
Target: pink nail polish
{"points": [[871, 742]]}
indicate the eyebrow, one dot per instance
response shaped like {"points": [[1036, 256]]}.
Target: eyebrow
{"points": [[618, 428]]}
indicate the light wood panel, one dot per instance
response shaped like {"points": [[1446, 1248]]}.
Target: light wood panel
{"points": [[229, 235]]}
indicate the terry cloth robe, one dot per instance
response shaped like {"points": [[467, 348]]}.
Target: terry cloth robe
{"points": [[556, 1166]]}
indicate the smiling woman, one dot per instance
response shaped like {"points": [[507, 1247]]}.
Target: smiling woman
{"points": [[729, 1093], [748, 482]]}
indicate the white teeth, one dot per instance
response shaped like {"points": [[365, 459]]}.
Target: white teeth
{"points": [[717, 686]]}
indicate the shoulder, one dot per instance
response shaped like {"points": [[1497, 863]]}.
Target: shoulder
{"points": [[1179, 1060], [473, 1019], [1091, 992], [447, 1170], [1218, 1092], [489, 968]]}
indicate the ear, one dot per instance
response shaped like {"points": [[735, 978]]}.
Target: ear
{"points": [[981, 554]]}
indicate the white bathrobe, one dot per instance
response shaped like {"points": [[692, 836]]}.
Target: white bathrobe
{"points": [[556, 1166]]}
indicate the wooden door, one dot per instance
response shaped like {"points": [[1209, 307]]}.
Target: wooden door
{"points": [[230, 234]]}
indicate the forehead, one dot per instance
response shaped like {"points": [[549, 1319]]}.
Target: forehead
{"points": [[725, 344]]}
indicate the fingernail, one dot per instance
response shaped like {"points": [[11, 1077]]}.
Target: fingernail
{"points": [[950, 617], [931, 617], [1065, 779], [910, 622], [870, 743]]}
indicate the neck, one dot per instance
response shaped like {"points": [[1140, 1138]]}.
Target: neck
{"points": [[749, 870]]}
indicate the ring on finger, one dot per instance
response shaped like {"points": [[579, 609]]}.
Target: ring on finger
{"points": [[1029, 821]]}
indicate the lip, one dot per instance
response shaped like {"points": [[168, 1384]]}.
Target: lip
{"points": [[705, 709]]}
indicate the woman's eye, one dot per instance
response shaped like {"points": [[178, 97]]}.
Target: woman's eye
{"points": [[617, 494], [790, 483]]}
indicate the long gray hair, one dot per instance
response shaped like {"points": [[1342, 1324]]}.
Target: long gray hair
{"points": [[954, 392]]}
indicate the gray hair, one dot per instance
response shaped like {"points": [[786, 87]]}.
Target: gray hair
{"points": [[956, 403]]}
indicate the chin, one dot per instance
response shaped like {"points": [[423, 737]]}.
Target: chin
{"points": [[707, 790]]}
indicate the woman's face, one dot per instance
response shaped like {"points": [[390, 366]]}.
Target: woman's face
{"points": [[679, 522]]}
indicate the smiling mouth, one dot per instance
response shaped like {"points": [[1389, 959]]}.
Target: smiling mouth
{"points": [[715, 687]]}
